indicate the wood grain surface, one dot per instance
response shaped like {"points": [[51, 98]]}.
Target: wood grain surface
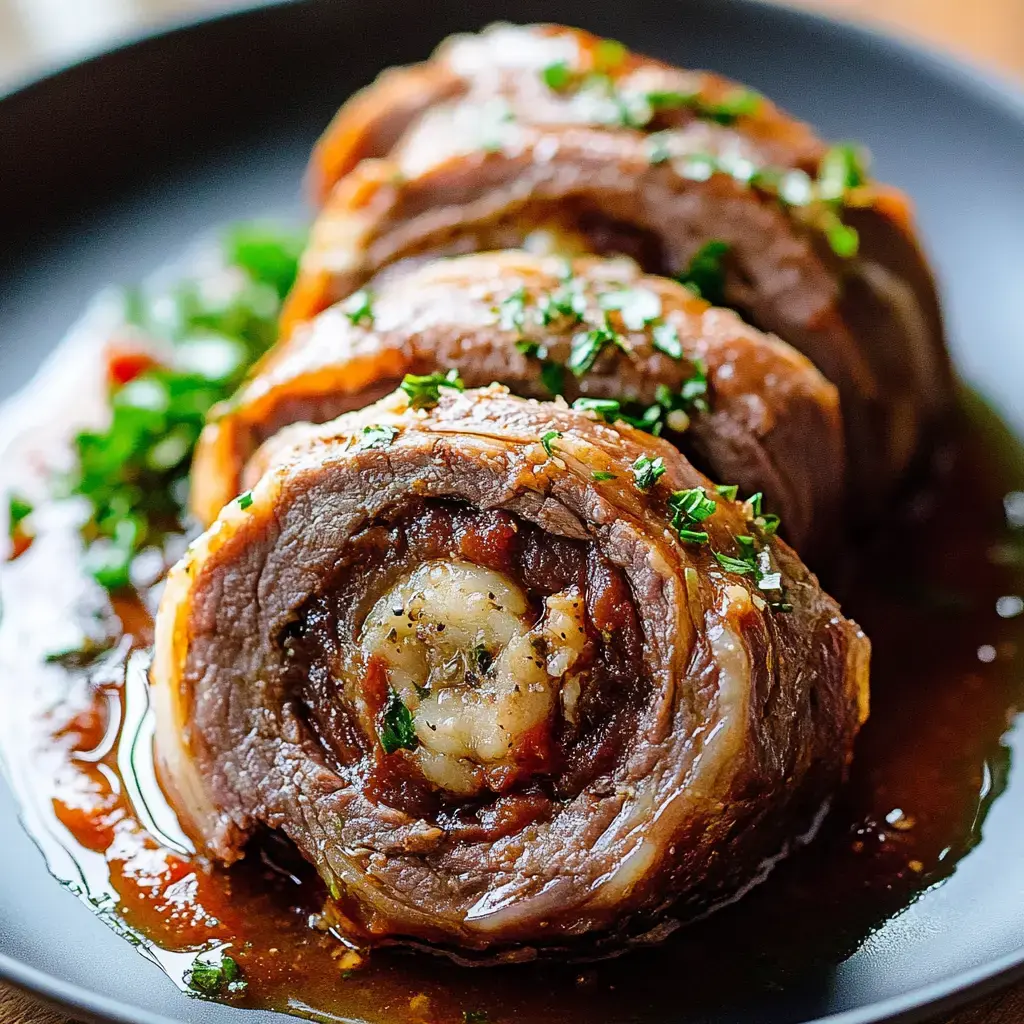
{"points": [[989, 32]]}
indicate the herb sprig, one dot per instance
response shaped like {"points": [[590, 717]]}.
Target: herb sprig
{"points": [[133, 473]]}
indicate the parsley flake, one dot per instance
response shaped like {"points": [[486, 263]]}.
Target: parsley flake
{"points": [[665, 338], [512, 311], [377, 435], [588, 345], [728, 491], [690, 508], [607, 408], [244, 500], [216, 979], [706, 273], [557, 76], [547, 438], [397, 731], [638, 307], [602, 474], [647, 471], [424, 390], [359, 307], [18, 510]]}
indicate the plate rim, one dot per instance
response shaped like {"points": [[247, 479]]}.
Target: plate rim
{"points": [[988, 87]]}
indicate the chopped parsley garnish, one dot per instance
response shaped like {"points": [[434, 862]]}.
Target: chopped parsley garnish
{"points": [[647, 471], [266, 253], [767, 522], [565, 301], [552, 376], [843, 239], [377, 435], [665, 338], [588, 345], [424, 390], [18, 510], [483, 658], [512, 311], [690, 508], [609, 55], [359, 307], [557, 76], [706, 273], [244, 500], [728, 491], [637, 307], [134, 473], [216, 979], [601, 475], [658, 151], [397, 731], [606, 408], [735, 104], [843, 167], [547, 438]]}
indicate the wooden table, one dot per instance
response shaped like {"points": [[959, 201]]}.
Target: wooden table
{"points": [[986, 31]]}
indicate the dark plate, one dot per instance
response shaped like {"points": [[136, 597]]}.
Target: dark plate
{"points": [[111, 166]]}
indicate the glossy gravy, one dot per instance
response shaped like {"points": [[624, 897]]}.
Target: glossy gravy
{"points": [[939, 602]]}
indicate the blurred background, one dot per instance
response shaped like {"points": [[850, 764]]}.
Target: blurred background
{"points": [[36, 33]]}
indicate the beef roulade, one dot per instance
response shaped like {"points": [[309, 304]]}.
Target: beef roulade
{"points": [[745, 407], [515, 680], [624, 155]]}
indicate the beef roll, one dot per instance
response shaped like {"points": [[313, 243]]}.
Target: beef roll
{"points": [[549, 138], [515, 680], [743, 406]]}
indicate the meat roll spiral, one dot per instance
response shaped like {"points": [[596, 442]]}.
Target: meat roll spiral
{"points": [[545, 136], [745, 407], [513, 679]]}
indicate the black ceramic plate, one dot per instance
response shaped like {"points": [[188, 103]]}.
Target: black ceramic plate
{"points": [[113, 165]]}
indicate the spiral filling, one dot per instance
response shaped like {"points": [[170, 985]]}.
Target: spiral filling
{"points": [[465, 658]]}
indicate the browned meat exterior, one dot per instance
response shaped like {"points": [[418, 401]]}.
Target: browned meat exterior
{"points": [[747, 408], [624, 157], [511, 690], [503, 73]]}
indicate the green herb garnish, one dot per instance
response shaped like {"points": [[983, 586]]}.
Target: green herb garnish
{"points": [[216, 979], [134, 473], [377, 435], [647, 471], [397, 731], [512, 311], [483, 658], [689, 508], [268, 254], [601, 475], [552, 376], [18, 510], [728, 491], [424, 390], [665, 338], [557, 76], [606, 408], [359, 307], [638, 307], [588, 345], [843, 167], [547, 438], [244, 500], [706, 273]]}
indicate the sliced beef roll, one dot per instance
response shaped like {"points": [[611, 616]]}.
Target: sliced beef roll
{"points": [[744, 406], [514, 680], [625, 158]]}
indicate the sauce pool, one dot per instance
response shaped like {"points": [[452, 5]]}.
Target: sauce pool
{"points": [[938, 595]]}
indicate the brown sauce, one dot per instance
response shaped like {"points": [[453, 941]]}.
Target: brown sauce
{"points": [[947, 680]]}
